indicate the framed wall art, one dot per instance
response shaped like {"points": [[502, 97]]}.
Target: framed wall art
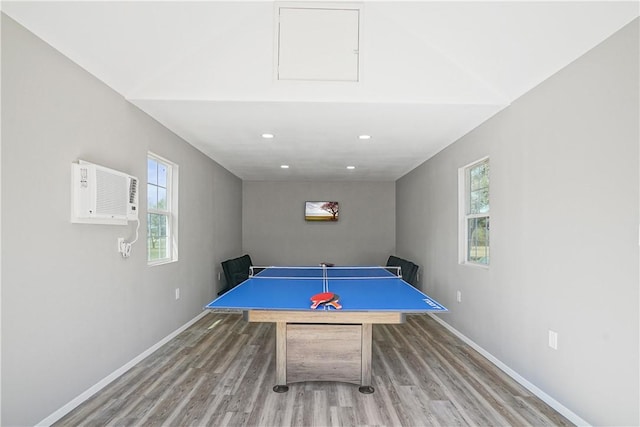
{"points": [[321, 211]]}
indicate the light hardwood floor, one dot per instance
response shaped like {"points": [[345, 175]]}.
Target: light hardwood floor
{"points": [[220, 372]]}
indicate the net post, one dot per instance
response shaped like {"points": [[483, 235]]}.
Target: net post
{"points": [[393, 269]]}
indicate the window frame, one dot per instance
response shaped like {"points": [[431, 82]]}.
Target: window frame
{"points": [[171, 211], [464, 214]]}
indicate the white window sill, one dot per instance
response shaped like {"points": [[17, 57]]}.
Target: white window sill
{"points": [[475, 265], [161, 262]]}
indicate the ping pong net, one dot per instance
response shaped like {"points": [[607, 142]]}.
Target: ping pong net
{"points": [[324, 272]]}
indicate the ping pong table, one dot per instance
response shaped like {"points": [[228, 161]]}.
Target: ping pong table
{"points": [[325, 344]]}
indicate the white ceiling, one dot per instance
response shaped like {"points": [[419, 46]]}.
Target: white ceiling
{"points": [[429, 73]]}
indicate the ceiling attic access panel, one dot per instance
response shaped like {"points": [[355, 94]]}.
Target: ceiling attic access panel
{"points": [[318, 43]]}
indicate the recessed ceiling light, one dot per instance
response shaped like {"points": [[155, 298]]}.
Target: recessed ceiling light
{"points": [[351, 167], [267, 135], [364, 137], [284, 166]]}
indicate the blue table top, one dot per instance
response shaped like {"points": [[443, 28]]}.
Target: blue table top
{"points": [[360, 289]]}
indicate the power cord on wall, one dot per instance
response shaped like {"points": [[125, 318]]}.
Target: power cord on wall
{"points": [[125, 247]]}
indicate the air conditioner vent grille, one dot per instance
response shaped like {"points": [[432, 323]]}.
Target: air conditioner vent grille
{"points": [[109, 190], [133, 190]]}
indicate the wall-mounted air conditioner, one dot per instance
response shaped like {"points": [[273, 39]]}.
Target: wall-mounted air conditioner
{"points": [[101, 195]]}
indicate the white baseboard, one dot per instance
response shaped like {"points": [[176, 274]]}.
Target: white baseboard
{"points": [[568, 414], [57, 415]]}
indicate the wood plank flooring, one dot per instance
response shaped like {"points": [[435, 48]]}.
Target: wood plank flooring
{"points": [[220, 371]]}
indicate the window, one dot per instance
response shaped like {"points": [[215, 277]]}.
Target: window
{"points": [[474, 213], [162, 210]]}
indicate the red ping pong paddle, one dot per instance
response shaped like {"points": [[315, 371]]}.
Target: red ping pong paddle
{"points": [[327, 298], [321, 298]]}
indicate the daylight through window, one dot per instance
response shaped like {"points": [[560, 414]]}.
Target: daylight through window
{"points": [[161, 212], [475, 216]]}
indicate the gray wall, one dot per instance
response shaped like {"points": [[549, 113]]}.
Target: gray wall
{"points": [[276, 233], [74, 311], [564, 234]]}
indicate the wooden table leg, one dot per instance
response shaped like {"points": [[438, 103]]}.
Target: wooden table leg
{"points": [[365, 384], [281, 358]]}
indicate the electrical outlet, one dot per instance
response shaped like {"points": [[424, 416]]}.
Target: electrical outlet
{"points": [[177, 293], [553, 339], [120, 244], [218, 276], [459, 296]]}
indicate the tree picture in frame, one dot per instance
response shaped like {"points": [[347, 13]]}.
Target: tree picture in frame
{"points": [[321, 211]]}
